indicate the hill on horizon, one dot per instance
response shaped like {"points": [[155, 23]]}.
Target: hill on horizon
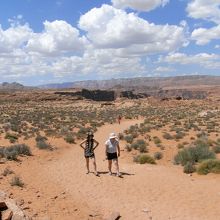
{"points": [[140, 82]]}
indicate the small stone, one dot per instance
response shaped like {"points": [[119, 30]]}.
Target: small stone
{"points": [[3, 205], [145, 210], [26, 207]]}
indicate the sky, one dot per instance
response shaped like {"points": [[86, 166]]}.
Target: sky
{"points": [[55, 41]]}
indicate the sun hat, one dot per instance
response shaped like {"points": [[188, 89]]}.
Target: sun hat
{"points": [[112, 135]]}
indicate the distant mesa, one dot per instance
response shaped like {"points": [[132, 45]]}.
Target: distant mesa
{"points": [[14, 86]]}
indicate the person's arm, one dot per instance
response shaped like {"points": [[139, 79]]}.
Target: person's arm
{"points": [[81, 144], [96, 144], [118, 149], [106, 150]]}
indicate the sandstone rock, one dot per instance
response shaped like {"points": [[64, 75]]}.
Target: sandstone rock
{"points": [[3, 205], [7, 214], [3, 160]]}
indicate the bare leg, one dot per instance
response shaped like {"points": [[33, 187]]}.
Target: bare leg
{"points": [[87, 164], [117, 167], [94, 165], [110, 166]]}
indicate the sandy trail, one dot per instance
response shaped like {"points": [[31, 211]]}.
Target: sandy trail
{"points": [[144, 192]]}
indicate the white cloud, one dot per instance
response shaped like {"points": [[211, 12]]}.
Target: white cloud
{"points": [[204, 9], [14, 37], [108, 27], [203, 36], [139, 5], [58, 37], [209, 61], [100, 62], [164, 69]]}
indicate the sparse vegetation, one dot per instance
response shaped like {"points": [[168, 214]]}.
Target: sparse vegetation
{"points": [[144, 158], [17, 181], [209, 166]]}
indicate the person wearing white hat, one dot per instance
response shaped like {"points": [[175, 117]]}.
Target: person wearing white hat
{"points": [[112, 153]]}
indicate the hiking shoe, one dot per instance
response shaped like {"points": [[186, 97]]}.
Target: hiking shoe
{"points": [[118, 175]]}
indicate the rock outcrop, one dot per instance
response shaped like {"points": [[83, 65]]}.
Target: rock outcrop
{"points": [[9, 209]]}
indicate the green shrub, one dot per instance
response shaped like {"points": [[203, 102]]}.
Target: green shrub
{"points": [[43, 145], [209, 166], [11, 137], [140, 145], [167, 136], [194, 154], [69, 139], [157, 140], [189, 168], [12, 152], [144, 158], [158, 155], [129, 139]]}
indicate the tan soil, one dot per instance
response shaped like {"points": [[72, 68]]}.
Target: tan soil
{"points": [[57, 186]]}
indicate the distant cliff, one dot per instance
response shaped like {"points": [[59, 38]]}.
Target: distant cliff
{"points": [[141, 83]]}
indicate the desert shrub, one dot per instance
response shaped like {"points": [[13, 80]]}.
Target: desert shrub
{"points": [[16, 181], [216, 149], [70, 139], [167, 136], [209, 166], [180, 146], [157, 140], [140, 145], [7, 171], [179, 135], [121, 136], [158, 155], [128, 147], [12, 152], [11, 137], [144, 158], [40, 138], [189, 168], [129, 139], [43, 145], [193, 154]]}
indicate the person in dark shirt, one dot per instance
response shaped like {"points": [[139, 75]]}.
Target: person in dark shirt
{"points": [[89, 145]]}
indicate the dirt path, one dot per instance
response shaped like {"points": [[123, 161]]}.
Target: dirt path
{"points": [[144, 192]]}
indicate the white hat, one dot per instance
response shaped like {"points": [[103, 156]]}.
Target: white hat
{"points": [[112, 135]]}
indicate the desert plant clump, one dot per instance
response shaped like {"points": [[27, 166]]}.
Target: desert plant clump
{"points": [[167, 136], [43, 145], [7, 171], [140, 145], [70, 139], [17, 181], [209, 166], [158, 155], [128, 138], [128, 147], [216, 149], [11, 137], [157, 140], [193, 154], [189, 167], [12, 152], [144, 158]]}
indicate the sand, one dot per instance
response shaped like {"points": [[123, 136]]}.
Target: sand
{"points": [[58, 187]]}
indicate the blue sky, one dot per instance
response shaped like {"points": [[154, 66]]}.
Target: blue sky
{"points": [[52, 41]]}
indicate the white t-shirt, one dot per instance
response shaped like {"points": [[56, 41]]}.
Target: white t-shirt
{"points": [[111, 146]]}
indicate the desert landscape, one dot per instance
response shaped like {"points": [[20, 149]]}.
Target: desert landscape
{"points": [[170, 152]]}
